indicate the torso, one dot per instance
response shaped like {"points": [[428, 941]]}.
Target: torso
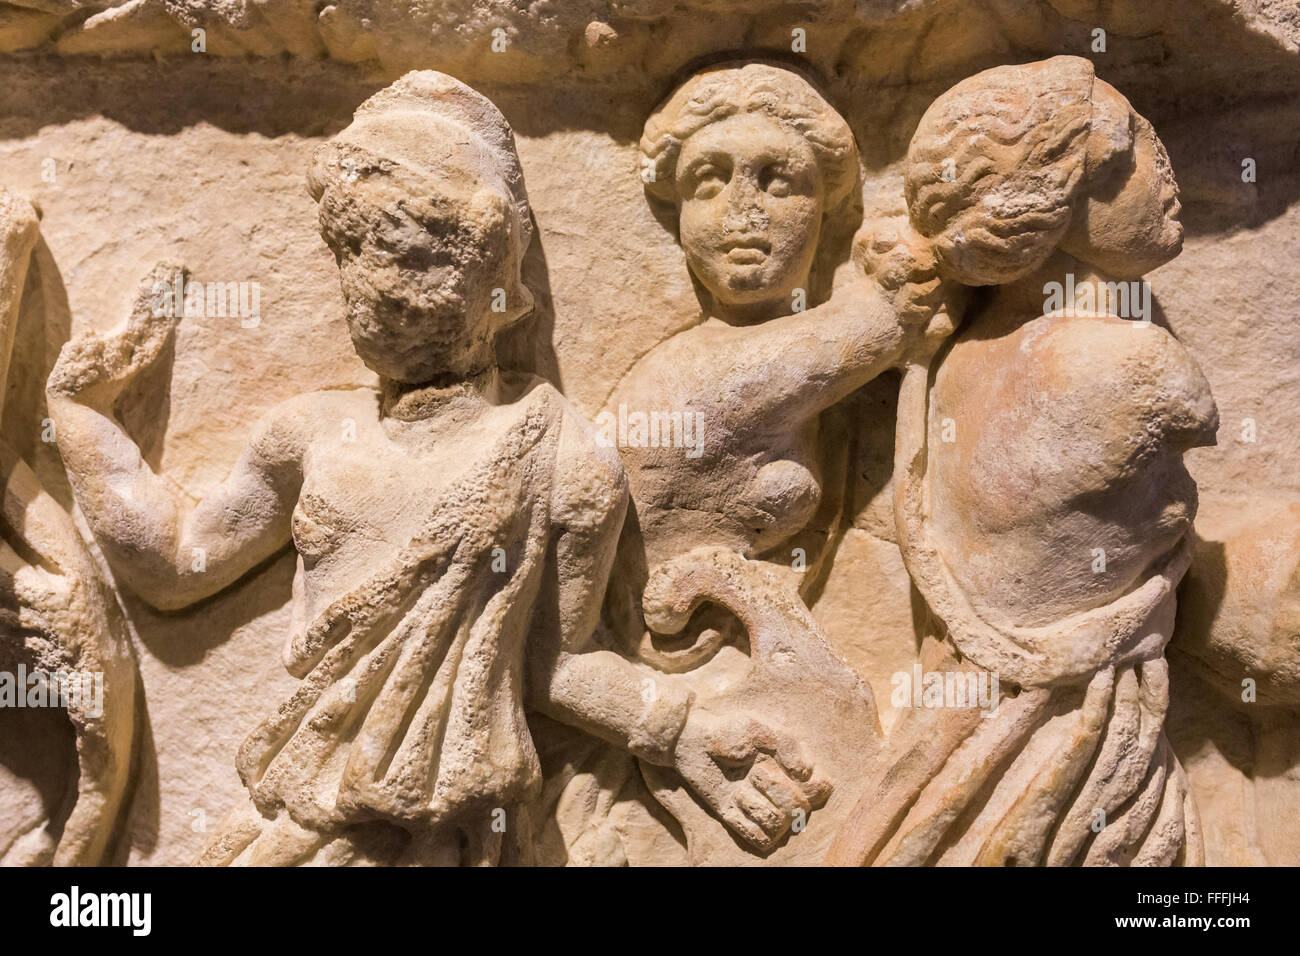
{"points": [[1061, 459], [755, 483], [369, 484]]}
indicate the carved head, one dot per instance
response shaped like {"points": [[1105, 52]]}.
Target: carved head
{"points": [[423, 204], [1014, 162], [753, 157]]}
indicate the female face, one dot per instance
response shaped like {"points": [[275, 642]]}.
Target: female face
{"points": [[1127, 223], [751, 208], [421, 259]]}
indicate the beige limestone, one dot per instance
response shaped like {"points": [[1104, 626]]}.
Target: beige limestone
{"points": [[399, 572]]}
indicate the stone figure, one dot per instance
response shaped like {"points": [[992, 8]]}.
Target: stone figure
{"points": [[454, 531], [1238, 638], [754, 161], [1042, 503], [60, 626], [763, 485]]}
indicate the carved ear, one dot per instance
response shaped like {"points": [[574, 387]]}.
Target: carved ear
{"points": [[1110, 129], [497, 221]]}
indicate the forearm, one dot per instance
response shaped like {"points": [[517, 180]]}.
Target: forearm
{"points": [[19, 231], [630, 706], [810, 360], [138, 520]]}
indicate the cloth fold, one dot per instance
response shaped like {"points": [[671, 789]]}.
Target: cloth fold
{"points": [[411, 706], [1074, 766]]}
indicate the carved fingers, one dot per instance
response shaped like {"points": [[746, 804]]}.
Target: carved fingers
{"points": [[756, 778], [903, 264], [100, 367], [778, 794]]}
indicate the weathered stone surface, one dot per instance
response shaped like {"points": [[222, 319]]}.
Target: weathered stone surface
{"points": [[404, 569]]}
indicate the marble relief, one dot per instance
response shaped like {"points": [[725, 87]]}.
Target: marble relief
{"points": [[513, 616]]}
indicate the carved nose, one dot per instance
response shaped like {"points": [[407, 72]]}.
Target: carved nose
{"points": [[745, 212], [1204, 423]]}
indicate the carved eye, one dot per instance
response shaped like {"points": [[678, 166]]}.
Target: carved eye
{"points": [[774, 182], [415, 256], [709, 180]]}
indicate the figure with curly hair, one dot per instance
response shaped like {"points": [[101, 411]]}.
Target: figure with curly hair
{"points": [[754, 167], [454, 530], [1041, 500]]}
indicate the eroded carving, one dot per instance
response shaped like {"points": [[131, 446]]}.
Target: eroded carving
{"points": [[1043, 508], [438, 523], [524, 635], [62, 638]]}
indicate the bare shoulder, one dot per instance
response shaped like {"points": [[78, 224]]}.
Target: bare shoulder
{"points": [[590, 485], [683, 368], [287, 430]]}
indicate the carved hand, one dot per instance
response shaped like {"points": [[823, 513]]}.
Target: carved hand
{"points": [[96, 369], [755, 778], [902, 263]]}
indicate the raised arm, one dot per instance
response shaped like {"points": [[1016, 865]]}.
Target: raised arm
{"points": [[168, 552], [19, 231], [810, 360], [894, 309]]}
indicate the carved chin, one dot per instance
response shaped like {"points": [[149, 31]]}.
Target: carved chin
{"points": [[739, 283], [409, 343], [1173, 237], [745, 278]]}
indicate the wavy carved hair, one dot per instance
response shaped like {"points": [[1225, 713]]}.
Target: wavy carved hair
{"points": [[997, 162], [726, 90]]}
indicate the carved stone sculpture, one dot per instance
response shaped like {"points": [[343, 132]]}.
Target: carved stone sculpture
{"points": [[1043, 509], [407, 739], [753, 160], [847, 450], [60, 625]]}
